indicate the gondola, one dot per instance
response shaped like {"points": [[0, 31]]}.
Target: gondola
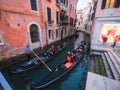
{"points": [[56, 74], [45, 56]]}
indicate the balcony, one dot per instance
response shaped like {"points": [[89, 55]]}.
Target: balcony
{"points": [[63, 23], [63, 7], [50, 22]]}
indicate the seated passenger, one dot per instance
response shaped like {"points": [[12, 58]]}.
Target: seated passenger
{"points": [[51, 50], [68, 57], [58, 49], [72, 56], [80, 50], [68, 61], [45, 55], [77, 55]]}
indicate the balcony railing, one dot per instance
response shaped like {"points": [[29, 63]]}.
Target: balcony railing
{"points": [[63, 23], [50, 22]]}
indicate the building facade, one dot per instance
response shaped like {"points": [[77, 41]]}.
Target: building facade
{"points": [[85, 17], [79, 23], [35, 23], [106, 24]]}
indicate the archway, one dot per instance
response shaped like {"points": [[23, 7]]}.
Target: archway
{"points": [[34, 35]]}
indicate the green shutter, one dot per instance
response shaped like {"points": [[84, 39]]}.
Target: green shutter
{"points": [[117, 4], [103, 4]]}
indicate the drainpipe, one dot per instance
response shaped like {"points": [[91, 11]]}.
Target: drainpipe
{"points": [[46, 33]]}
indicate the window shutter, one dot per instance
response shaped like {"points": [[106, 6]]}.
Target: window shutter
{"points": [[117, 4], [103, 4]]}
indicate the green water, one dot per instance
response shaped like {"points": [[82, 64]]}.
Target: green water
{"points": [[72, 81]]}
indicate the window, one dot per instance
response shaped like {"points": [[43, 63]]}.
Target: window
{"points": [[110, 4], [49, 15], [57, 33], [50, 34], [66, 18], [71, 21], [33, 5], [57, 1], [34, 33], [57, 17], [62, 1], [66, 2]]}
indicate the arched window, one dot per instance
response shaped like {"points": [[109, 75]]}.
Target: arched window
{"points": [[34, 33]]}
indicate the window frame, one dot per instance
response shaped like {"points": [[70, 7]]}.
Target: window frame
{"points": [[57, 33], [57, 17], [36, 1], [49, 18], [50, 34], [34, 33]]}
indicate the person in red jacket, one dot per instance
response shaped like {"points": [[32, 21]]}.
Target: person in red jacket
{"points": [[116, 39], [68, 57]]}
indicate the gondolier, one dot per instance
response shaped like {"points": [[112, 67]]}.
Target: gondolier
{"points": [[27, 52]]}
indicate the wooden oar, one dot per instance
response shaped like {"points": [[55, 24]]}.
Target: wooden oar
{"points": [[42, 61]]}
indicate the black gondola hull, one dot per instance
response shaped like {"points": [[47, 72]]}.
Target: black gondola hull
{"points": [[26, 66], [55, 75]]}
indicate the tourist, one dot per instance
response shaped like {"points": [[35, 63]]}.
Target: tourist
{"points": [[51, 50], [68, 57], [116, 39]]}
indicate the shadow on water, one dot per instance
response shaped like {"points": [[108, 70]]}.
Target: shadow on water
{"points": [[72, 81]]}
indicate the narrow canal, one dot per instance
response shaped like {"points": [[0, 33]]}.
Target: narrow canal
{"points": [[74, 80]]}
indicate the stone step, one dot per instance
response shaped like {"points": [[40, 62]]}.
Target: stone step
{"points": [[100, 47], [115, 62], [97, 67], [91, 64], [113, 68], [101, 66], [116, 56], [107, 68], [116, 50], [98, 82]]}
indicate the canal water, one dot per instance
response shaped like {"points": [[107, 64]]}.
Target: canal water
{"points": [[74, 80]]}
